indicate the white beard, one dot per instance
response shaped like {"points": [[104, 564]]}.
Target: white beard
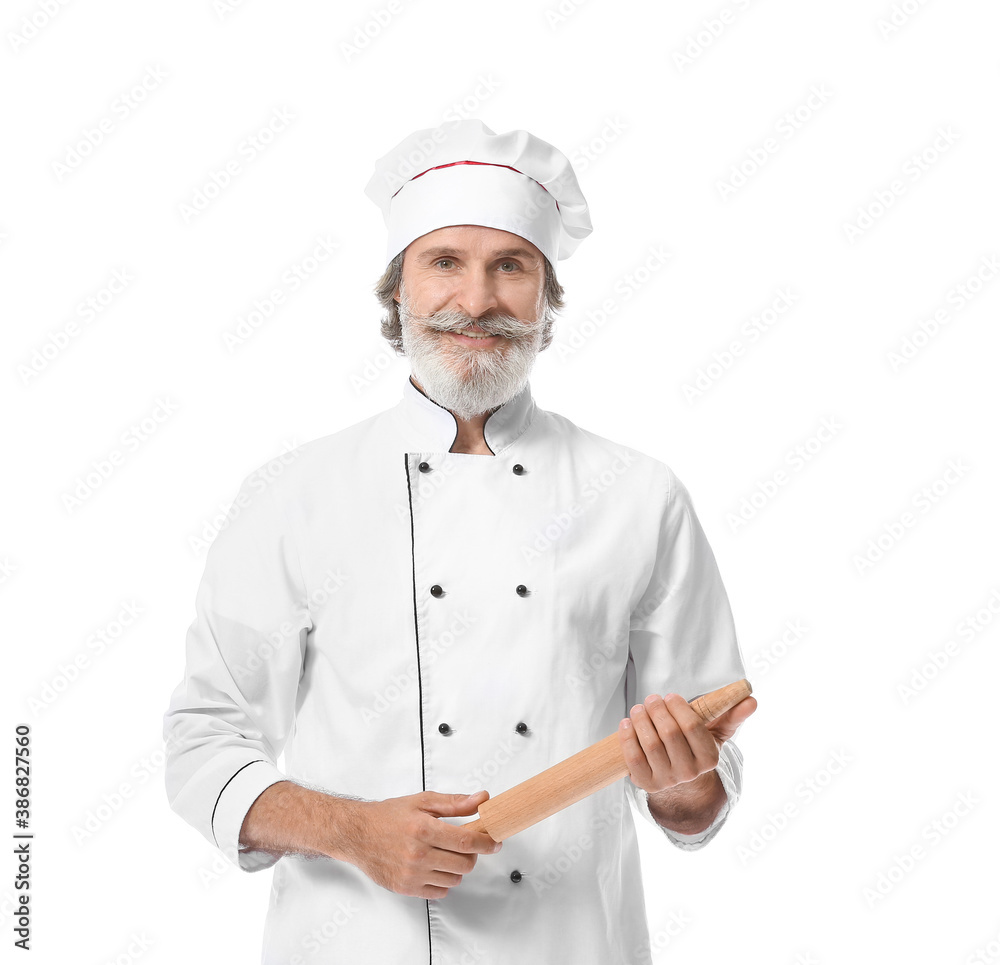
{"points": [[466, 380]]}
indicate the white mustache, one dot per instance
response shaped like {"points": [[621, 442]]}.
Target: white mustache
{"points": [[495, 323]]}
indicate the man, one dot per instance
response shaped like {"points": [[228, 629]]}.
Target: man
{"points": [[446, 599]]}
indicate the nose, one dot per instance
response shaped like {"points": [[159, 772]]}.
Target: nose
{"points": [[476, 294]]}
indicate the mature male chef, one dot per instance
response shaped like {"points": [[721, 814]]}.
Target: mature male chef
{"points": [[444, 600]]}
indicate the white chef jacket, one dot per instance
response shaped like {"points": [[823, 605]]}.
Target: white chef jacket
{"points": [[393, 617]]}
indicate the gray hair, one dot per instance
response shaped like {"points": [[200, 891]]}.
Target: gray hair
{"points": [[392, 277]]}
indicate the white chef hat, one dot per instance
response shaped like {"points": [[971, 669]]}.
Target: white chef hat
{"points": [[463, 173]]}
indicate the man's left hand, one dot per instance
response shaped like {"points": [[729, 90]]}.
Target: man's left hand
{"points": [[665, 743]]}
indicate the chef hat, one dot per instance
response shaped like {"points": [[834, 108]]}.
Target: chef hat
{"points": [[463, 173]]}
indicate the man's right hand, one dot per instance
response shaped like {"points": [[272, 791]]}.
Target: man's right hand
{"points": [[402, 845]]}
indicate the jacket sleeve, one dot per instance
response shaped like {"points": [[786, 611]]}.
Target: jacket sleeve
{"points": [[229, 717], [682, 639]]}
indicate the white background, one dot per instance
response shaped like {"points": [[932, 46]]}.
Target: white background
{"points": [[798, 875]]}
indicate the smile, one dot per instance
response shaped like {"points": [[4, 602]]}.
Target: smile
{"points": [[472, 336]]}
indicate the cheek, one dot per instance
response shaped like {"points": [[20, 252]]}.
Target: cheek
{"points": [[534, 311], [427, 294], [434, 297], [524, 302]]}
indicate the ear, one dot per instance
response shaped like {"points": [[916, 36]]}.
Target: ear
{"points": [[397, 295]]}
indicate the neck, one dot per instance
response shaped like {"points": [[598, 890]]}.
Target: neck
{"points": [[470, 437]]}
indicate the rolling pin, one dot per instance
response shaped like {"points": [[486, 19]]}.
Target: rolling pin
{"points": [[578, 776]]}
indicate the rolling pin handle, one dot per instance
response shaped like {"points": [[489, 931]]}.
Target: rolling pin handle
{"points": [[715, 704]]}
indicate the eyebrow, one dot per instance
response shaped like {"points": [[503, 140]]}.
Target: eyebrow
{"points": [[444, 251]]}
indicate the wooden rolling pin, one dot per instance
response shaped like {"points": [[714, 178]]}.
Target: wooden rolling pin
{"points": [[582, 774]]}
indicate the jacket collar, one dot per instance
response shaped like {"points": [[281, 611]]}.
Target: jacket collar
{"points": [[430, 427]]}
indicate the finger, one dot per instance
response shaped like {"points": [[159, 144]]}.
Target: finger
{"points": [[692, 748], [635, 758], [673, 750], [460, 839], [657, 753], [443, 879], [429, 891], [440, 861], [726, 725], [435, 887], [689, 747], [451, 805]]}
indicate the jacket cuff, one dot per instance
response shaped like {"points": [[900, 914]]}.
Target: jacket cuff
{"points": [[692, 842], [686, 842], [231, 806], [730, 771]]}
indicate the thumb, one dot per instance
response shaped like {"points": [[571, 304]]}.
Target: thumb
{"points": [[724, 727], [452, 805]]}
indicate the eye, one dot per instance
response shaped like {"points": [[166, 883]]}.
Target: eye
{"points": [[513, 265], [443, 261]]}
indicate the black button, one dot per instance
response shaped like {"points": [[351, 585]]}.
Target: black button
{"points": [[444, 729], [424, 467], [521, 590], [518, 469], [437, 590], [522, 728], [515, 876]]}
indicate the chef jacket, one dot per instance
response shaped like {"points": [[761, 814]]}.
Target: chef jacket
{"points": [[393, 616]]}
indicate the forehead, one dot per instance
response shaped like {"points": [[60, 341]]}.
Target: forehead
{"points": [[476, 241]]}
